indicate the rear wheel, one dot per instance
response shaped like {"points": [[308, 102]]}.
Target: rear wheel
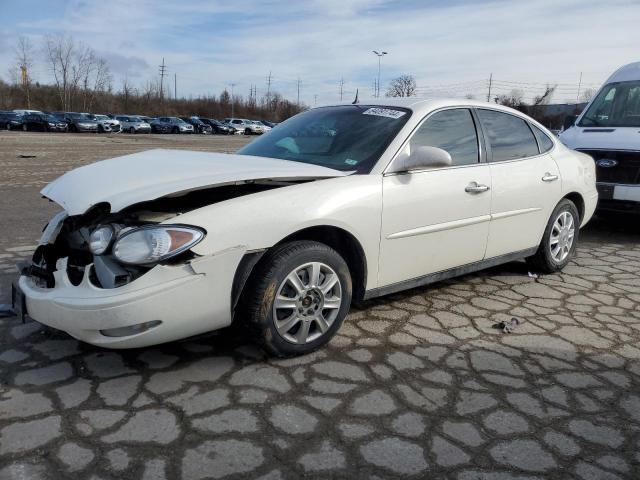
{"points": [[297, 297], [560, 239]]}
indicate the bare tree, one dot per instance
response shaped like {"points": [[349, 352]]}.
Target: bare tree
{"points": [[587, 95], [545, 98], [24, 53], [515, 99], [403, 86], [60, 50]]}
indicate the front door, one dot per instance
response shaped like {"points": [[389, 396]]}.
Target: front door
{"points": [[436, 219]]}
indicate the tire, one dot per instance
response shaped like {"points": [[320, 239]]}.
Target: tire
{"points": [[175, 130], [561, 236], [259, 312], [73, 128], [247, 131]]}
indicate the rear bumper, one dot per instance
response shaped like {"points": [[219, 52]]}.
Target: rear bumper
{"points": [[187, 299]]}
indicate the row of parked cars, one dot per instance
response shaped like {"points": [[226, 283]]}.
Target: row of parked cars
{"points": [[35, 120]]}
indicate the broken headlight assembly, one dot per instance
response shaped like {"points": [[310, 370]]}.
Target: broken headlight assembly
{"points": [[153, 243]]}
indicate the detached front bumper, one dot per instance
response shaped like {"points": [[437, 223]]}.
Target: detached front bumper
{"points": [[186, 300]]}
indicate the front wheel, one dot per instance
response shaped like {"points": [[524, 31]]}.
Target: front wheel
{"points": [[297, 297], [560, 239]]}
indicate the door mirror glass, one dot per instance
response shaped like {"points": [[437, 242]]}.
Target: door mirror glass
{"points": [[422, 158]]}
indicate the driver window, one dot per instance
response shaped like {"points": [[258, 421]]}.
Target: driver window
{"points": [[451, 130]]}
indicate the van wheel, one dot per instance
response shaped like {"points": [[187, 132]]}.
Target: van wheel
{"points": [[297, 298], [559, 241]]}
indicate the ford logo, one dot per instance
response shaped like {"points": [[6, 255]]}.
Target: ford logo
{"points": [[606, 163]]}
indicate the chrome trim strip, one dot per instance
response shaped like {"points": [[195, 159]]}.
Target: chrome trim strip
{"points": [[513, 213], [438, 227]]}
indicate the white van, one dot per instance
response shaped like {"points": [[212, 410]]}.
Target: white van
{"points": [[609, 130]]}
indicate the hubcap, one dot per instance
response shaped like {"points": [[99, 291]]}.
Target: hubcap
{"points": [[561, 238], [307, 303]]}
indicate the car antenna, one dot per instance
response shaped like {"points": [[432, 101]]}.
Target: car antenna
{"points": [[355, 100]]}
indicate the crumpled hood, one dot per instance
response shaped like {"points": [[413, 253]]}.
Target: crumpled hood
{"points": [[124, 181]]}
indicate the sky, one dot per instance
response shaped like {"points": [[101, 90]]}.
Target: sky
{"points": [[450, 47]]}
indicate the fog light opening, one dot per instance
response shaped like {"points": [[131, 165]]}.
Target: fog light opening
{"points": [[130, 330]]}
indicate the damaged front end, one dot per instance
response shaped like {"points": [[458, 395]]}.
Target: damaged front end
{"points": [[114, 249]]}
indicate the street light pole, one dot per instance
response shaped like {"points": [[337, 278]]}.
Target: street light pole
{"points": [[380, 55], [232, 101]]}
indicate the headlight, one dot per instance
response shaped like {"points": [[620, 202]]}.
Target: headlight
{"points": [[100, 239], [153, 243]]}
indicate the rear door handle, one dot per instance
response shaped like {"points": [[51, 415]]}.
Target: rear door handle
{"points": [[475, 187], [549, 178]]}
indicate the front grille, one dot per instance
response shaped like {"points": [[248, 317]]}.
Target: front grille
{"points": [[626, 169]]}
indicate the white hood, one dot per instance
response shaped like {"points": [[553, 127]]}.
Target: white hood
{"points": [[144, 176], [614, 138]]}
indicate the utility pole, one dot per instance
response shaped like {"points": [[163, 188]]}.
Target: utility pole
{"points": [[490, 82], [341, 85], [579, 85], [232, 100], [315, 100], [298, 100], [25, 83], [175, 86], [380, 55], [269, 85], [162, 74]]}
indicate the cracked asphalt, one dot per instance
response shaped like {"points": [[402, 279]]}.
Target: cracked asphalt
{"points": [[415, 385]]}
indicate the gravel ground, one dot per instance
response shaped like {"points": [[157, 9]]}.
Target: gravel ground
{"points": [[415, 385]]}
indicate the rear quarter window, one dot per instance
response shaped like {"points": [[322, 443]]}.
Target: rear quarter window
{"points": [[544, 141]]}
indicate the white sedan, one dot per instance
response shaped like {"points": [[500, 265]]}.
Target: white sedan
{"points": [[339, 203]]}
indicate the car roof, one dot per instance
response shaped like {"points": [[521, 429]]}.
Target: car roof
{"points": [[426, 105]]}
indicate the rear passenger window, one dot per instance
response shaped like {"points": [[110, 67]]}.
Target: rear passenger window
{"points": [[544, 141], [450, 130], [510, 137]]}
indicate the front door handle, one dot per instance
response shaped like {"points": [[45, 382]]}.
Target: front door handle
{"points": [[549, 178], [475, 187]]}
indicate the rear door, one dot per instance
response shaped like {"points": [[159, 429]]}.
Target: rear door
{"points": [[525, 183], [436, 219]]}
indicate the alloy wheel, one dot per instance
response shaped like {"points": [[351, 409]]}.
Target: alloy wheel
{"points": [[561, 236], [307, 303]]}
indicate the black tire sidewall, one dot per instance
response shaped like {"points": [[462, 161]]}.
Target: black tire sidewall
{"points": [[286, 263]]}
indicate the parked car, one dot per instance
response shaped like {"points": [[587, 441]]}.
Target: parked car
{"points": [[607, 130], [42, 122], [106, 124], [198, 125], [132, 124], [265, 128], [381, 198], [11, 121], [219, 127], [171, 125], [78, 122], [245, 126]]}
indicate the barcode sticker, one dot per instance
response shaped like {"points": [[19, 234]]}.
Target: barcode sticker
{"points": [[384, 112]]}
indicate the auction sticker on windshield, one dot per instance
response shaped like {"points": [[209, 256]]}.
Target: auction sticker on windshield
{"points": [[384, 112]]}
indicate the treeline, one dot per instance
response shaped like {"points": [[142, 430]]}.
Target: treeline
{"points": [[82, 82]]}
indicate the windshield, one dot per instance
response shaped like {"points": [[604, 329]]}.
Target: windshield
{"points": [[50, 118], [348, 137], [617, 105]]}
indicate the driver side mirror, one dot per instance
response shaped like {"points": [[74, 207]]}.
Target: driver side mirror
{"points": [[422, 158]]}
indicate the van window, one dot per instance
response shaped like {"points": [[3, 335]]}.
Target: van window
{"points": [[617, 105], [510, 136]]}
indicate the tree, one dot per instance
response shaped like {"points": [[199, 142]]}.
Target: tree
{"points": [[515, 99], [587, 95], [403, 86], [24, 58], [60, 50]]}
